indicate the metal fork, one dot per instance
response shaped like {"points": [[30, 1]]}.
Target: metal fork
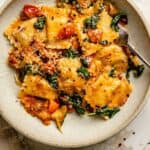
{"points": [[123, 40]]}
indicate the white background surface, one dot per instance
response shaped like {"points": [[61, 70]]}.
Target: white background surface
{"points": [[141, 126]]}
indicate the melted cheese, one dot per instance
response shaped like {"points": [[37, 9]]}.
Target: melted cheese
{"points": [[39, 87], [107, 91], [56, 19], [113, 55], [103, 26], [22, 33], [69, 78], [95, 67]]}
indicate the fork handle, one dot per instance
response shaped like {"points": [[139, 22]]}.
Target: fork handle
{"points": [[139, 55]]}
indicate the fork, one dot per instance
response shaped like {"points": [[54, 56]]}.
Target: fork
{"points": [[123, 40]]}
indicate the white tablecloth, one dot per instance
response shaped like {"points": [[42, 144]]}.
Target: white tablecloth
{"points": [[135, 137]]}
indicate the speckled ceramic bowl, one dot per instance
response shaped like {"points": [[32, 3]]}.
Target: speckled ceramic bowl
{"points": [[77, 131]]}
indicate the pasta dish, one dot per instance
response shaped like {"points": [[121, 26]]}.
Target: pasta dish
{"points": [[67, 59]]}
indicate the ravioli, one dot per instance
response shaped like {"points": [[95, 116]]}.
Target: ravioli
{"points": [[22, 33], [103, 27], [87, 48], [107, 91], [57, 18], [114, 55], [69, 80], [32, 84]]}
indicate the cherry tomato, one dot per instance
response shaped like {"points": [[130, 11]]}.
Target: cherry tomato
{"points": [[94, 35], [31, 11], [67, 32]]}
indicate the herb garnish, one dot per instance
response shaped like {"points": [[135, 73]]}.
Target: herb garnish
{"points": [[116, 19], [76, 101], [91, 23], [40, 23], [70, 53], [35, 70], [83, 72], [105, 112], [52, 79]]}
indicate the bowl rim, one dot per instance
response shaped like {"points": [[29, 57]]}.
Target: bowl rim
{"points": [[134, 6]]}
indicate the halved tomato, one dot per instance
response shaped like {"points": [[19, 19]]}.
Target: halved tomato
{"points": [[31, 11]]}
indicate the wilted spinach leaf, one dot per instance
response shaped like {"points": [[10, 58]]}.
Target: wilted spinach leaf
{"points": [[52, 79], [83, 72], [116, 19], [40, 23], [91, 23], [76, 101], [105, 112], [70, 53]]}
